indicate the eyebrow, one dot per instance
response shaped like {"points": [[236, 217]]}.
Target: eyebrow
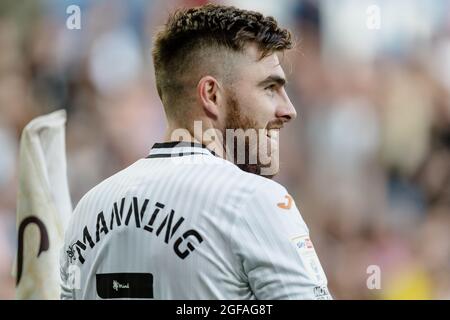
{"points": [[273, 79]]}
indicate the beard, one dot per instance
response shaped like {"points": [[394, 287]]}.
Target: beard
{"points": [[235, 119]]}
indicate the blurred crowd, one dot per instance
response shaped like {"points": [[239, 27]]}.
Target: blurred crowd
{"points": [[367, 160]]}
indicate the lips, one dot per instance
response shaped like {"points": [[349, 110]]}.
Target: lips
{"points": [[272, 133]]}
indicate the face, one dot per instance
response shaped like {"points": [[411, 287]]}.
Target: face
{"points": [[257, 103]]}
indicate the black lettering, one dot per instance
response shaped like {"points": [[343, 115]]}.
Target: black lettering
{"points": [[149, 226], [44, 243], [169, 235], [99, 229], [189, 245], [87, 236], [115, 213], [175, 228], [162, 225], [82, 245], [130, 210], [169, 223], [134, 207]]}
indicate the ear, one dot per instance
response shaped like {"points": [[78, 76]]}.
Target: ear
{"points": [[210, 95]]}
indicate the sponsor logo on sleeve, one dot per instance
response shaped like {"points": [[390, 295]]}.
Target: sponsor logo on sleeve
{"points": [[308, 255]]}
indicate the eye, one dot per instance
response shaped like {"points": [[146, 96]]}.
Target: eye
{"points": [[271, 88]]}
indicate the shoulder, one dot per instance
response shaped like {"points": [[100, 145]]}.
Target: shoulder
{"points": [[247, 184], [263, 190], [231, 179], [270, 205]]}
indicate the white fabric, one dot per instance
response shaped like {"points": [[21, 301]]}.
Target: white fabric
{"points": [[44, 195], [254, 242]]}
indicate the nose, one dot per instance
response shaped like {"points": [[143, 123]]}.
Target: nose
{"points": [[286, 109]]}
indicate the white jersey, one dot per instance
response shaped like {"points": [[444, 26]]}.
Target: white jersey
{"points": [[186, 224]]}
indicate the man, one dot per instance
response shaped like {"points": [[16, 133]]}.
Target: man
{"points": [[189, 221]]}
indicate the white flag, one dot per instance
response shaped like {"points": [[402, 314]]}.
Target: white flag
{"points": [[43, 207]]}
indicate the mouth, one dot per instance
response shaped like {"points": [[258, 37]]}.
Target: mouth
{"points": [[273, 133]]}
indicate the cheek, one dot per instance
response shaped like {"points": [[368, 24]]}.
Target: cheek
{"points": [[260, 107]]}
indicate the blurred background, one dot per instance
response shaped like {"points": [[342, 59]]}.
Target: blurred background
{"points": [[367, 160]]}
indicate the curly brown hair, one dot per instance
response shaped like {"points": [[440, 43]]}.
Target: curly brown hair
{"points": [[189, 33]]}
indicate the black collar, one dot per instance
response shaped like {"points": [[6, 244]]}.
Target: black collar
{"points": [[178, 149]]}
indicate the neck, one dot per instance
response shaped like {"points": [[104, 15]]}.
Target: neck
{"points": [[212, 142]]}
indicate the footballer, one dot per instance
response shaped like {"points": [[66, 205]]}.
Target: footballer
{"points": [[200, 217]]}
